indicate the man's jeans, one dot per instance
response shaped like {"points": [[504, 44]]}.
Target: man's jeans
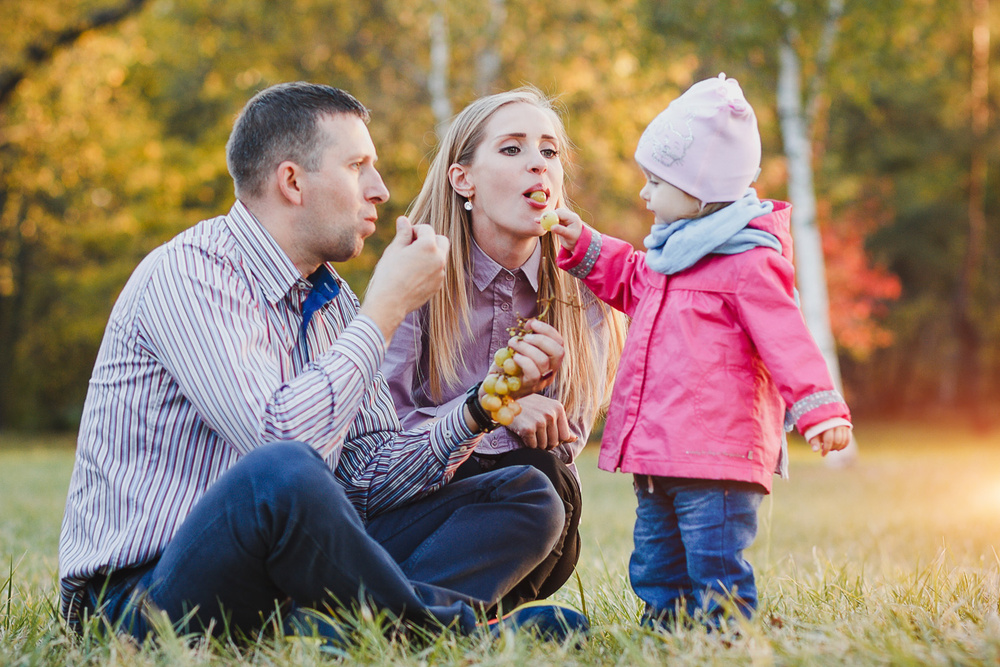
{"points": [[689, 541], [277, 530]]}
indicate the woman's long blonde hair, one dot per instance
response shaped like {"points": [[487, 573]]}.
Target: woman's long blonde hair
{"points": [[583, 384]]}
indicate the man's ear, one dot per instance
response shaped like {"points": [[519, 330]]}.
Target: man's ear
{"points": [[458, 175], [289, 176]]}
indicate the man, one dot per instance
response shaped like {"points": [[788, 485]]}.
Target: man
{"points": [[239, 451]]}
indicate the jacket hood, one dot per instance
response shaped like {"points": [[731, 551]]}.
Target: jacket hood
{"points": [[779, 223]]}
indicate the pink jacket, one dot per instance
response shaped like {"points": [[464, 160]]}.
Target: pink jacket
{"points": [[714, 355]]}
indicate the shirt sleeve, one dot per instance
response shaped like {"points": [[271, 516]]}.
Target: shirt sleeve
{"points": [[402, 364], [382, 467], [767, 309], [204, 326]]}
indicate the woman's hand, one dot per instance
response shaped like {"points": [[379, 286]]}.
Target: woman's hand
{"points": [[542, 423], [539, 354], [569, 228]]}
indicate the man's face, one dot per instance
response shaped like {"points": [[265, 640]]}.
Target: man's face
{"points": [[339, 199]]}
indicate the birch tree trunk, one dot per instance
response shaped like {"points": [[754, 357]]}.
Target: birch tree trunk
{"points": [[809, 264], [437, 78], [488, 61], [967, 381]]}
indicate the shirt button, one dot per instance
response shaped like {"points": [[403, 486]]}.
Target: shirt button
{"points": [[508, 276], [504, 306]]}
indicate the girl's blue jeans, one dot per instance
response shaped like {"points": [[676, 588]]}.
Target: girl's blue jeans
{"points": [[276, 533], [689, 540]]}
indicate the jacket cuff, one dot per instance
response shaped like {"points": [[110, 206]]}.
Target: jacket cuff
{"points": [[580, 262], [819, 407]]}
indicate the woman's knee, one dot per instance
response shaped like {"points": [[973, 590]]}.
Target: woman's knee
{"points": [[552, 466], [538, 498]]}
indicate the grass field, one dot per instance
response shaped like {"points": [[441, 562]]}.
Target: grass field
{"points": [[890, 562]]}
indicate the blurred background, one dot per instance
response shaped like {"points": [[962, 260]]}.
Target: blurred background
{"points": [[877, 118]]}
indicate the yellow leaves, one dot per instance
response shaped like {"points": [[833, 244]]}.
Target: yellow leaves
{"points": [[316, 57], [115, 76], [625, 64], [148, 176], [153, 150], [248, 78], [581, 77], [6, 279], [101, 197], [681, 70]]}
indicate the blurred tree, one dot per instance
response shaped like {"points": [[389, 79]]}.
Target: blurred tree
{"points": [[908, 126], [970, 389], [114, 143], [44, 31]]}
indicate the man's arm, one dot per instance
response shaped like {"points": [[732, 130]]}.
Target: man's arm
{"points": [[208, 329]]}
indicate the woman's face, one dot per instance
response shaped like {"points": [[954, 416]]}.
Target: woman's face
{"points": [[519, 156]]}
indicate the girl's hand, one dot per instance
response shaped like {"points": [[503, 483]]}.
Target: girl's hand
{"points": [[542, 423], [831, 440], [569, 228]]}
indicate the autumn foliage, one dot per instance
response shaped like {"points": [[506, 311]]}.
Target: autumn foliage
{"points": [[861, 291]]}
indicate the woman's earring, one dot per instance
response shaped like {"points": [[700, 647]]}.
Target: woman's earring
{"points": [[467, 205]]}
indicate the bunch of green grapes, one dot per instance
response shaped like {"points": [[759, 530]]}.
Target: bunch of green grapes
{"points": [[500, 385]]}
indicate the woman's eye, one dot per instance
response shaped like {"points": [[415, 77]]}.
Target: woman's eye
{"points": [[510, 150], [550, 152]]}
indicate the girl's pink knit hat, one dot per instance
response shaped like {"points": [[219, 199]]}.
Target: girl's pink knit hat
{"points": [[706, 142]]}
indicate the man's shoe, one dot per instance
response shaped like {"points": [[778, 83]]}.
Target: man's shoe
{"points": [[551, 621]]}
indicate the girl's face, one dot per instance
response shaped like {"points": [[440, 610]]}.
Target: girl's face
{"points": [[668, 204], [516, 165]]}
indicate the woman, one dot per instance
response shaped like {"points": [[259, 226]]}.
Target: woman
{"points": [[497, 170]]}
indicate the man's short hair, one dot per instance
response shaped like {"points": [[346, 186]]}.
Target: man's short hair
{"points": [[282, 123]]}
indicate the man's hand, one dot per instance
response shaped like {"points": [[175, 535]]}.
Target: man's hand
{"points": [[542, 423], [410, 272], [831, 440]]}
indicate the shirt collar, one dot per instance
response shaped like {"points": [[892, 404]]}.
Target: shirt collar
{"points": [[485, 268], [264, 257]]}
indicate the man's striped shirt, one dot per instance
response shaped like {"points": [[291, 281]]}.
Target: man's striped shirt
{"points": [[204, 359]]}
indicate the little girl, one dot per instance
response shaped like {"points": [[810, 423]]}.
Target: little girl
{"points": [[717, 359]]}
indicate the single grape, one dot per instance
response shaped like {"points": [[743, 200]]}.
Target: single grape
{"points": [[501, 388], [510, 367], [514, 407], [539, 196], [502, 355], [504, 416], [513, 384], [549, 220], [489, 383], [491, 403]]}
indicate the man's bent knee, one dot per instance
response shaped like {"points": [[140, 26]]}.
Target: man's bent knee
{"points": [[288, 469]]}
